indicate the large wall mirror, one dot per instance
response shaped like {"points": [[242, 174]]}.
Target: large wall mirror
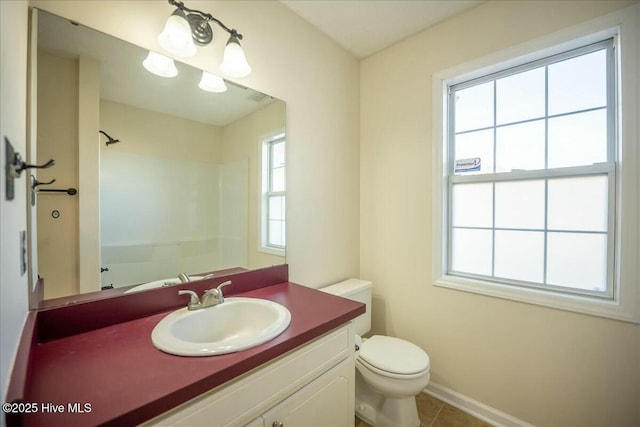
{"points": [[184, 188]]}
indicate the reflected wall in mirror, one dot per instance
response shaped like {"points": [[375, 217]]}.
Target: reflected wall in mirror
{"points": [[181, 191]]}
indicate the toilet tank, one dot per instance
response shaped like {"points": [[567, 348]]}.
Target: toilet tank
{"points": [[357, 290]]}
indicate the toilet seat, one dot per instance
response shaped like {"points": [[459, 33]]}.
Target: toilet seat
{"points": [[393, 357]]}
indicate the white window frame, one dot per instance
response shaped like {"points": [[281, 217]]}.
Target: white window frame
{"points": [[266, 143], [607, 168], [624, 303]]}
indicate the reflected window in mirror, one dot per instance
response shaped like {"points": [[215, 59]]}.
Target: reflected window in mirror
{"points": [[274, 194]]}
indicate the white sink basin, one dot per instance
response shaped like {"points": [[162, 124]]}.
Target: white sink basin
{"points": [[158, 284], [236, 324]]}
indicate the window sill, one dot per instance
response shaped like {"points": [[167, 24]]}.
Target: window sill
{"points": [[272, 251], [591, 306]]}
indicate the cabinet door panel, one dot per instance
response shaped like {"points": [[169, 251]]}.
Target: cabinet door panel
{"points": [[321, 403]]}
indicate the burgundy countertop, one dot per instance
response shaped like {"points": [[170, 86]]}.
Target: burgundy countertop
{"points": [[118, 377]]}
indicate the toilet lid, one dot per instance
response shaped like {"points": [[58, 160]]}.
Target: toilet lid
{"points": [[394, 355]]}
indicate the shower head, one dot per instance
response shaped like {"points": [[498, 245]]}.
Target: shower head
{"points": [[111, 140]]}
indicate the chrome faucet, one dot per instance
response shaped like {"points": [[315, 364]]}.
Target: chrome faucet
{"points": [[210, 297], [184, 277]]}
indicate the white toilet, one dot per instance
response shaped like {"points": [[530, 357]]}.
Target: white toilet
{"points": [[390, 372]]}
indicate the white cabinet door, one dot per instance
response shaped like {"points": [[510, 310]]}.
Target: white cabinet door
{"points": [[325, 402]]}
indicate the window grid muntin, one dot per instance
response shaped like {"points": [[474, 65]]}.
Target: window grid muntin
{"points": [[535, 119], [546, 174], [270, 193]]}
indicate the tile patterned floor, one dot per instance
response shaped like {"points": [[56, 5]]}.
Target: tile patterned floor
{"points": [[436, 413]]}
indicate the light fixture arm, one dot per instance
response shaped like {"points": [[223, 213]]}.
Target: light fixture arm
{"points": [[207, 16]]}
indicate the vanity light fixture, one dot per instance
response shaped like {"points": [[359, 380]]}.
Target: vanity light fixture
{"points": [[160, 65], [212, 83], [186, 28]]}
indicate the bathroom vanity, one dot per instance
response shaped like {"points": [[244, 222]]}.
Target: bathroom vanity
{"points": [[106, 371], [313, 385]]}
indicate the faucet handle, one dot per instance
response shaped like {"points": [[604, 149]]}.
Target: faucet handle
{"points": [[223, 284], [215, 294], [194, 301]]}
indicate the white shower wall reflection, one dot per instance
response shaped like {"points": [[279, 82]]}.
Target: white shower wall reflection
{"points": [[168, 202]]}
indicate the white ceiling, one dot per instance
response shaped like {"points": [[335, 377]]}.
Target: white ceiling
{"points": [[367, 26]]}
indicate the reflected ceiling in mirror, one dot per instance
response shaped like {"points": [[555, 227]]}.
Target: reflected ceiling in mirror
{"points": [[123, 79], [181, 191]]}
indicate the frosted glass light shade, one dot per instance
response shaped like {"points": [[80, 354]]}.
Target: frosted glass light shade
{"points": [[160, 65], [176, 37], [234, 62], [212, 83]]}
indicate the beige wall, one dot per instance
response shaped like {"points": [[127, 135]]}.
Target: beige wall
{"points": [[544, 366], [13, 125], [88, 174], [149, 133], [242, 141], [68, 112], [58, 139]]}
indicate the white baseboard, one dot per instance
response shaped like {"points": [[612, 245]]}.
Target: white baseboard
{"points": [[473, 407]]}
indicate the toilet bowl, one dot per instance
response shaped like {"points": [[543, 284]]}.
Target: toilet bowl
{"points": [[390, 371]]}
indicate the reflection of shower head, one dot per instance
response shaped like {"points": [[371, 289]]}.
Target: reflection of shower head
{"points": [[111, 140]]}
